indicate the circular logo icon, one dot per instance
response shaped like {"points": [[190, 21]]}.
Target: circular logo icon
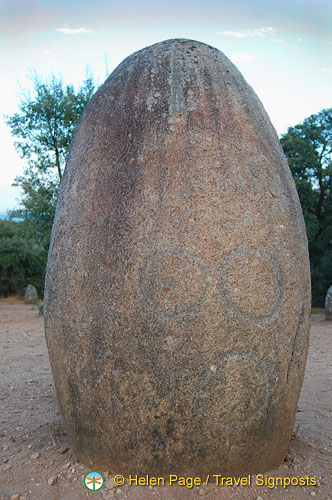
{"points": [[93, 480]]}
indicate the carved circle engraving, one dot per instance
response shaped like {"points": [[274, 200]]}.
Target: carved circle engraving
{"points": [[235, 387], [251, 282], [173, 282]]}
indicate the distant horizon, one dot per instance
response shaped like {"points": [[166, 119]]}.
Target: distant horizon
{"points": [[4, 216]]}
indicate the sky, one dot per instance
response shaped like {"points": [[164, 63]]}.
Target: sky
{"points": [[283, 49]]}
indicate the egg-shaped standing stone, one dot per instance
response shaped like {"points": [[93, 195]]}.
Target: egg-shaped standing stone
{"points": [[178, 289]]}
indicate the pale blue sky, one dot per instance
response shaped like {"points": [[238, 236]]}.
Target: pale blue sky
{"points": [[283, 49]]}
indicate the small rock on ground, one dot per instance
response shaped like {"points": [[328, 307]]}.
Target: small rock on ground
{"points": [[52, 480]]}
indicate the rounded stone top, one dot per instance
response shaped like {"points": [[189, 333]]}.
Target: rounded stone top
{"points": [[177, 86], [173, 56], [194, 53], [177, 44]]}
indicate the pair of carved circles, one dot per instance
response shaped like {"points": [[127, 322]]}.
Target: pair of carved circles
{"points": [[174, 283], [237, 386]]}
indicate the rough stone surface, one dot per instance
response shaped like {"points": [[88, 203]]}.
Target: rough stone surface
{"points": [[178, 289], [328, 305], [30, 295]]}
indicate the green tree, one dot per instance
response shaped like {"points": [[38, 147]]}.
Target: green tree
{"points": [[308, 148], [22, 261], [44, 127]]}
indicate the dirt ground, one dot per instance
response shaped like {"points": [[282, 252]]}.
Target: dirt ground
{"points": [[36, 460]]}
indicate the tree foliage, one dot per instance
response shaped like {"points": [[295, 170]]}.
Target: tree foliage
{"points": [[308, 148], [44, 127], [22, 261]]}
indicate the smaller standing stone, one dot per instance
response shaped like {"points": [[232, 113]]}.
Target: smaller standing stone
{"points": [[30, 296], [328, 305]]}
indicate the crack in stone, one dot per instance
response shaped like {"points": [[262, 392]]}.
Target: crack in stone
{"points": [[295, 339]]}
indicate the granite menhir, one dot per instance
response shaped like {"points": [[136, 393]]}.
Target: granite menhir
{"points": [[328, 304], [178, 288], [30, 295]]}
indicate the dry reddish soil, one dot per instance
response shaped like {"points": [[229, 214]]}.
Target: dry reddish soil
{"points": [[37, 462]]}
